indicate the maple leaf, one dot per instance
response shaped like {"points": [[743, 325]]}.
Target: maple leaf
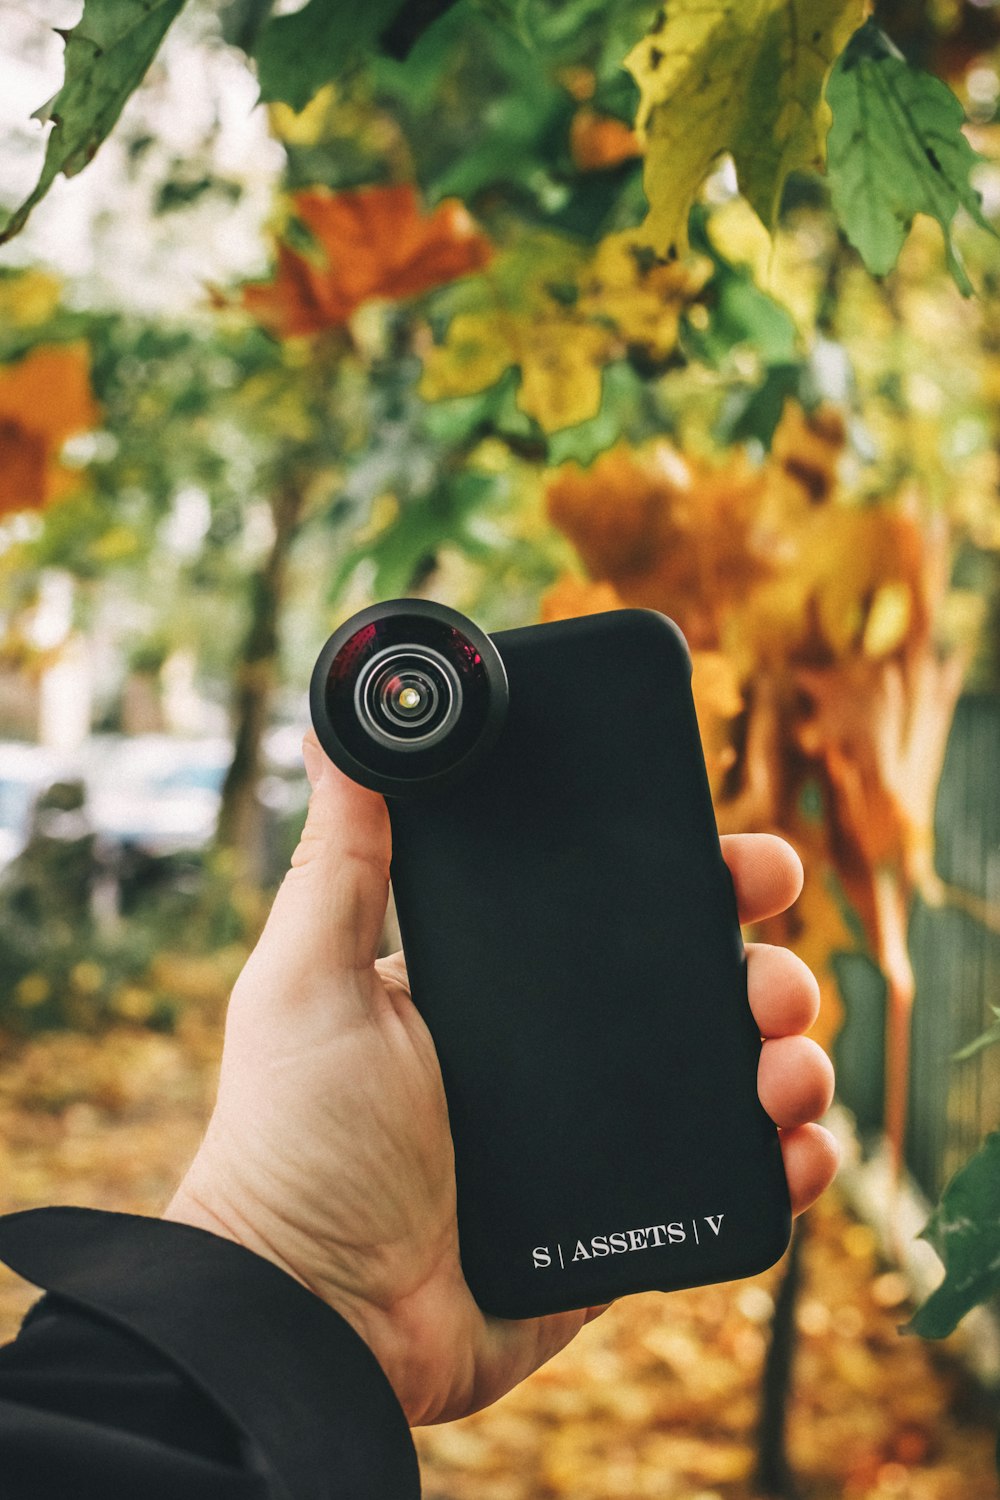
{"points": [[643, 296], [666, 531], [107, 54], [560, 358], [744, 76], [881, 708], [718, 698], [373, 242], [806, 450], [714, 683], [896, 150], [815, 929], [624, 296], [561, 362], [44, 399]]}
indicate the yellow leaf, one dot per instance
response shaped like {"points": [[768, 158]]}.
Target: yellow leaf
{"points": [[815, 929], [718, 698], [743, 76], [667, 531], [561, 363], [560, 359], [115, 543], [863, 555], [32, 990], [737, 233], [805, 456], [785, 267], [134, 1003], [87, 977], [304, 127], [643, 296], [716, 685], [888, 619], [28, 299], [477, 350]]}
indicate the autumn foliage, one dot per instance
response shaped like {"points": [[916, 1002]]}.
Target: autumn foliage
{"points": [[373, 242], [44, 399], [561, 337], [816, 670], [566, 320], [600, 141]]}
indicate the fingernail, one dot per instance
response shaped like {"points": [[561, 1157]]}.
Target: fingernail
{"points": [[315, 762]]}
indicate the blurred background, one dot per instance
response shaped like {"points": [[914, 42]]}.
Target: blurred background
{"points": [[399, 329]]}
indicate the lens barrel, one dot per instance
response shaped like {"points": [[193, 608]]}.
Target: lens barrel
{"points": [[407, 695]]}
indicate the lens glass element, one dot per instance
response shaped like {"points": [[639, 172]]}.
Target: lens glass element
{"points": [[408, 695]]}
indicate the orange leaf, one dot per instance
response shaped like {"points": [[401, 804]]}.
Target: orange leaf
{"points": [[569, 597], [374, 242], [717, 700], [806, 452], [600, 141], [667, 532], [44, 399]]}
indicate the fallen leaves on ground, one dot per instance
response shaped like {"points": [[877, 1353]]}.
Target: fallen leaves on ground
{"points": [[659, 1398], [656, 1400]]}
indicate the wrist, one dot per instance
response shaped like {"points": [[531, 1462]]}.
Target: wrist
{"points": [[195, 1203], [192, 1204]]}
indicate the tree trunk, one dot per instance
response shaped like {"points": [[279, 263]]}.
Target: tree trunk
{"points": [[239, 827], [774, 1474]]}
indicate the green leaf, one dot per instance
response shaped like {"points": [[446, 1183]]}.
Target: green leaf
{"points": [[296, 55], [415, 18], [424, 524], [241, 20], [964, 1229], [896, 149], [743, 314], [107, 54], [989, 1038], [621, 414], [740, 313], [752, 413]]}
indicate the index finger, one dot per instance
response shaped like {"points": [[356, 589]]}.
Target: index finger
{"points": [[766, 871]]}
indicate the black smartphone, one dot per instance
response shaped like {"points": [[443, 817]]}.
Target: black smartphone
{"points": [[572, 942]]}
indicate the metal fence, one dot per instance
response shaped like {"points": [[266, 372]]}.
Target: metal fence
{"points": [[956, 958]]}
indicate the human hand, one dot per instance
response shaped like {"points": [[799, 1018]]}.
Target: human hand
{"points": [[329, 1153]]}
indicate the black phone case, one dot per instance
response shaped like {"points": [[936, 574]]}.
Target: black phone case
{"points": [[572, 942]]}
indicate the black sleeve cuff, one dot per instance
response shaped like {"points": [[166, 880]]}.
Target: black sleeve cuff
{"points": [[283, 1366]]}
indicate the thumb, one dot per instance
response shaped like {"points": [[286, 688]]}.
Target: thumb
{"points": [[327, 916]]}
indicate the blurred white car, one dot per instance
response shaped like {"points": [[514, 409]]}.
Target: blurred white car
{"points": [[25, 770], [155, 791], [152, 791]]}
